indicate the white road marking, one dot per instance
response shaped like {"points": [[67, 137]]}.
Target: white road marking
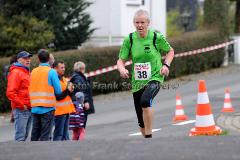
{"points": [[139, 133], [185, 122]]}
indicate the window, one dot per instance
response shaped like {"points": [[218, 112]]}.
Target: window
{"points": [[134, 2]]}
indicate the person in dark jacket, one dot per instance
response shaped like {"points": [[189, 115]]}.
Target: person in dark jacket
{"points": [[82, 84], [6, 70]]}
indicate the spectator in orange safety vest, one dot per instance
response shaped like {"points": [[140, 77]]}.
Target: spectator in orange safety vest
{"points": [[44, 88], [64, 105]]}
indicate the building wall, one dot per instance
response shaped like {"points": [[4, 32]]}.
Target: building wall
{"points": [[114, 19], [157, 12], [127, 13], [105, 15], [158, 15]]}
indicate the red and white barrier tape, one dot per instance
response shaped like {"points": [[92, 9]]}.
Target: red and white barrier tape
{"points": [[183, 54], [203, 50]]}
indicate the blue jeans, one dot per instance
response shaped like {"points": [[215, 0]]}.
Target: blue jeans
{"points": [[42, 126], [22, 124], [61, 128]]}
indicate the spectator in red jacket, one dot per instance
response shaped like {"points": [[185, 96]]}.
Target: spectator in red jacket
{"points": [[18, 94]]}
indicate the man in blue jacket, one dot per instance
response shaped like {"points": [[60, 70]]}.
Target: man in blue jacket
{"points": [[43, 116]]}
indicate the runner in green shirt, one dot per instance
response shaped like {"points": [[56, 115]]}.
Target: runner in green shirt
{"points": [[144, 47]]}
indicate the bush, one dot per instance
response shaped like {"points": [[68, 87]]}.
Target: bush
{"points": [[197, 63], [4, 103], [216, 16], [102, 57], [21, 32], [173, 27]]}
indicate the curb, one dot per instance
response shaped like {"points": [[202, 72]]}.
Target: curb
{"points": [[229, 121]]}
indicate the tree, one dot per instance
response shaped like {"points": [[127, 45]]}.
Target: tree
{"points": [[216, 16], [70, 23], [173, 27], [23, 33], [237, 16]]}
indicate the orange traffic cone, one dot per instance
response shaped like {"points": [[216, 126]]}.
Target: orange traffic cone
{"points": [[179, 113], [227, 107], [204, 124]]}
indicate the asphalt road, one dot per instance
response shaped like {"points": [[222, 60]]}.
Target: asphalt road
{"points": [[174, 148], [112, 132]]}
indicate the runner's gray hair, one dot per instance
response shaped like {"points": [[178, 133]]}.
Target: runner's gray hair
{"points": [[141, 12], [78, 66]]}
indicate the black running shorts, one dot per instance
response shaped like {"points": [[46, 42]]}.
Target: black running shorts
{"points": [[143, 99]]}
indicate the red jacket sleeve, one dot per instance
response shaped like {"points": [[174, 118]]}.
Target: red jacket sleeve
{"points": [[14, 80]]}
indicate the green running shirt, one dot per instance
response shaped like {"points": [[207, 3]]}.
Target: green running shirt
{"points": [[145, 57]]}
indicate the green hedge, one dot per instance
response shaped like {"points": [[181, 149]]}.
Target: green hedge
{"points": [[102, 57], [197, 63]]}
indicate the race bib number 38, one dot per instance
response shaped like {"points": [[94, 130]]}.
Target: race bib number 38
{"points": [[142, 71]]}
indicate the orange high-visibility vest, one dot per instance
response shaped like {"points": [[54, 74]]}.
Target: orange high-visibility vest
{"points": [[41, 93], [64, 106]]}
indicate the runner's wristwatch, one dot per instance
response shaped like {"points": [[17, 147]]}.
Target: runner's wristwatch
{"points": [[167, 65]]}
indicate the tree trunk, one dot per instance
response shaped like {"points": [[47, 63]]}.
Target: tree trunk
{"points": [[237, 29]]}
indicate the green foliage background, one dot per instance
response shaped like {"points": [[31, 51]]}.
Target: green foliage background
{"points": [[216, 16], [173, 29], [23, 33], [69, 21]]}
